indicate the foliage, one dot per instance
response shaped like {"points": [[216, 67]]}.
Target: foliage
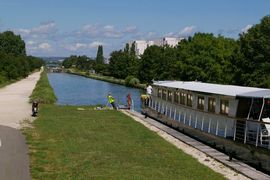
{"points": [[14, 64], [255, 46], [79, 62], [100, 58], [43, 92], [65, 143], [12, 44], [203, 57], [124, 63], [132, 81]]}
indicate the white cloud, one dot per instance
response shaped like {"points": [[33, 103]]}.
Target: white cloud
{"points": [[44, 28], [89, 29], [83, 46], [151, 34], [245, 29], [170, 34], [95, 44], [47, 28], [76, 46], [130, 29], [188, 30], [30, 43], [23, 31], [106, 31], [44, 46], [36, 47], [109, 28]]}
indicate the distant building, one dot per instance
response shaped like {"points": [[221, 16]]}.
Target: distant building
{"points": [[141, 45], [171, 41], [106, 61]]}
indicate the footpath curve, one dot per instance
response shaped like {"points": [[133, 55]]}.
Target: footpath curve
{"points": [[14, 108]]}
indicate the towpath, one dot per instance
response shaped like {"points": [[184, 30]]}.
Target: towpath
{"points": [[14, 108]]}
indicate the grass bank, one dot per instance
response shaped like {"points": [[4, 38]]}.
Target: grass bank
{"points": [[43, 92], [67, 143], [103, 78]]}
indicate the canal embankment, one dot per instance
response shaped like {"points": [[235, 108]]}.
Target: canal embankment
{"points": [[73, 142], [104, 78]]}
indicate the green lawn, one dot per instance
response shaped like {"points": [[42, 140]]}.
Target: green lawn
{"points": [[66, 143]]}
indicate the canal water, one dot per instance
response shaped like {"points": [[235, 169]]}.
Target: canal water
{"points": [[78, 90]]}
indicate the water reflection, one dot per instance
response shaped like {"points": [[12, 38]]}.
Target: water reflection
{"points": [[77, 90]]}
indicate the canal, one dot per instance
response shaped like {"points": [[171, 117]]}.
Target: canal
{"points": [[78, 90]]}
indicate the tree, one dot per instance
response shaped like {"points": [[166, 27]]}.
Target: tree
{"points": [[206, 58], [12, 44], [255, 46], [100, 58], [13, 60]]}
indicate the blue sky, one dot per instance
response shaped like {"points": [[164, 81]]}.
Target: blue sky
{"points": [[62, 27]]}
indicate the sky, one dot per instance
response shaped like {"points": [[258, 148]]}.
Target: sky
{"points": [[77, 27]]}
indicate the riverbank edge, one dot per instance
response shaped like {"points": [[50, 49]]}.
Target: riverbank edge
{"points": [[43, 91], [109, 79]]}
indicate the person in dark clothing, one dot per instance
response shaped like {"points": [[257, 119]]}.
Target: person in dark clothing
{"points": [[34, 108]]}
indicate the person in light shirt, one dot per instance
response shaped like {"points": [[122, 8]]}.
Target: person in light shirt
{"points": [[149, 90]]}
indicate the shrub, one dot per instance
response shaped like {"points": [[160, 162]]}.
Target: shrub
{"points": [[131, 81]]}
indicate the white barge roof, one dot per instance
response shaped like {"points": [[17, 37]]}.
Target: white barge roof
{"points": [[227, 90]]}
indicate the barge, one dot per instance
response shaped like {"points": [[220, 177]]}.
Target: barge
{"points": [[234, 119]]}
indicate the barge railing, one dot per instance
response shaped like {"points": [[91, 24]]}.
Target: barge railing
{"points": [[245, 131]]}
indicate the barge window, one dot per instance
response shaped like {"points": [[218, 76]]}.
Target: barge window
{"points": [[164, 94], [189, 100], [169, 96], [159, 93], [224, 107], [266, 109], [183, 98], [211, 104], [176, 97], [200, 103]]}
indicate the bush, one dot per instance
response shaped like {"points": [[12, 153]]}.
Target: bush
{"points": [[3, 78], [131, 81]]}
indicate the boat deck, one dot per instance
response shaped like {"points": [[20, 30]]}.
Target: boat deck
{"points": [[221, 157]]}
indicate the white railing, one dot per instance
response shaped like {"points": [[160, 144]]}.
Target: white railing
{"points": [[248, 132]]}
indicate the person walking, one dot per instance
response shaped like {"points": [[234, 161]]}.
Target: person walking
{"points": [[111, 100]]}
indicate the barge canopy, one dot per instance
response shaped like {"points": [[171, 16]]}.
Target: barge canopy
{"points": [[219, 89]]}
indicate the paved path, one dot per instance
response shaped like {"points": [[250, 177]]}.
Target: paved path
{"points": [[223, 158], [14, 161], [14, 107]]}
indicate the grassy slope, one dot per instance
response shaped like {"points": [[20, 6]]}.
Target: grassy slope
{"points": [[43, 92], [69, 144]]}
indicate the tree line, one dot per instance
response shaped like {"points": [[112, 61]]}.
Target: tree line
{"points": [[202, 57], [14, 63]]}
